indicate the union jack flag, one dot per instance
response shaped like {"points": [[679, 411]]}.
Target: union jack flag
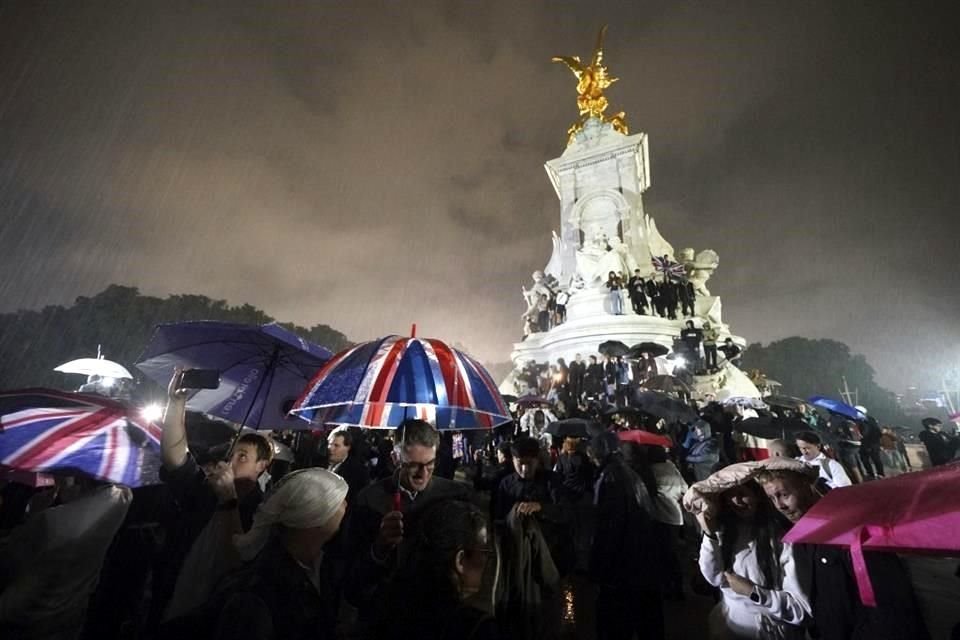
{"points": [[42, 430], [668, 267]]}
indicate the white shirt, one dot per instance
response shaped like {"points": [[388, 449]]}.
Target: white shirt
{"points": [[831, 471]]}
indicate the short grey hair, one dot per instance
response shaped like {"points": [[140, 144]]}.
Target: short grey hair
{"points": [[418, 432]]}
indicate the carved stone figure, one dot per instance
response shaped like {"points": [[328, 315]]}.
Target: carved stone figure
{"points": [[532, 296], [700, 268]]}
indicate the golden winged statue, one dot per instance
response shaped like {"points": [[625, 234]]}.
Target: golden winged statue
{"points": [[592, 79]]}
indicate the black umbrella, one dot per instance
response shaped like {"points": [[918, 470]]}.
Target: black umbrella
{"points": [[787, 402], [667, 384], [613, 348], [626, 411], [573, 428], [660, 405], [532, 401], [653, 348], [770, 427], [508, 398], [204, 433]]}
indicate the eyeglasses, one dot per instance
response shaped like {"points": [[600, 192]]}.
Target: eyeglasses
{"points": [[419, 466]]}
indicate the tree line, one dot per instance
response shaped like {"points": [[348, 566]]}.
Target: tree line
{"points": [[120, 320], [808, 367]]}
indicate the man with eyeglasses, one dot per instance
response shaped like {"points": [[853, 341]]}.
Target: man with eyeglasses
{"points": [[386, 513]]}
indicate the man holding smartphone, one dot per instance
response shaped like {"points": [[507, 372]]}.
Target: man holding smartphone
{"points": [[213, 506]]}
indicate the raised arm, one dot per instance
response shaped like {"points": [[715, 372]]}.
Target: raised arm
{"points": [[173, 442]]}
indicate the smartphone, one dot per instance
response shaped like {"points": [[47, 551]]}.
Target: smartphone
{"points": [[200, 379]]}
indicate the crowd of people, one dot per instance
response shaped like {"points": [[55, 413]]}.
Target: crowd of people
{"points": [[413, 533]]}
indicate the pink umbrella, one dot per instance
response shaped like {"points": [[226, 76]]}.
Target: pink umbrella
{"points": [[644, 437], [914, 512]]}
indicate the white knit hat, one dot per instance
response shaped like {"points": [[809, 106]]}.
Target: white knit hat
{"points": [[301, 500]]}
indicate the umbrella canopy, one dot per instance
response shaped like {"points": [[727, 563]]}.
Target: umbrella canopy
{"points": [[263, 369], [572, 428], [744, 401], [644, 437], [667, 384], [771, 428], [837, 407], [653, 348], [204, 433], [48, 431], [663, 406], [613, 348], [913, 512], [509, 399], [381, 383], [787, 402], [95, 367], [532, 401]]}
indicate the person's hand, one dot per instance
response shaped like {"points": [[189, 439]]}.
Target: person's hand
{"points": [[174, 391], [528, 508], [220, 480], [707, 522], [738, 583], [391, 533]]}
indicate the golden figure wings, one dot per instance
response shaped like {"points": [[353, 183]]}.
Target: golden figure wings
{"points": [[592, 79]]}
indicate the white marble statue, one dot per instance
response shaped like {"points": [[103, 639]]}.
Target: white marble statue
{"points": [[533, 295], [700, 268], [554, 267]]}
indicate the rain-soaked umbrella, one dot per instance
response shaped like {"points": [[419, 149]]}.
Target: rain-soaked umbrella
{"points": [[263, 369], [660, 405], [572, 428], [645, 438], [655, 349], [381, 383], [532, 401], [771, 428], [913, 512], [666, 383], [95, 367], [837, 407], [47, 431], [787, 402], [613, 348]]}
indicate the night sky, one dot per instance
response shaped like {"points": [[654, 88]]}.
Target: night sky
{"points": [[369, 165]]}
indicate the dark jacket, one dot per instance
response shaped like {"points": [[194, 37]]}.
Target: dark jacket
{"points": [[530, 576], [366, 575], [274, 598], [576, 473], [196, 504], [624, 553], [837, 610], [546, 487], [357, 474], [940, 447]]}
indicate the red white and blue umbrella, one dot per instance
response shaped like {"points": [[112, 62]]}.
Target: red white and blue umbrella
{"points": [[42, 430], [381, 383]]}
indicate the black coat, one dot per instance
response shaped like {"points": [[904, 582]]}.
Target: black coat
{"points": [[357, 474], [366, 576], [624, 552], [940, 447], [837, 610]]}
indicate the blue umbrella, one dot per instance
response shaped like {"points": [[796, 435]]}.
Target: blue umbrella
{"points": [[263, 369], [835, 406], [381, 383]]}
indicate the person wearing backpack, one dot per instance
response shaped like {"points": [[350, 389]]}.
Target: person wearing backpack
{"points": [[832, 474]]}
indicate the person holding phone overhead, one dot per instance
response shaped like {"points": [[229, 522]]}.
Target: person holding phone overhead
{"points": [[213, 506]]}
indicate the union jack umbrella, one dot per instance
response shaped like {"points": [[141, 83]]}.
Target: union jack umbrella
{"points": [[42, 430], [381, 383], [668, 267]]}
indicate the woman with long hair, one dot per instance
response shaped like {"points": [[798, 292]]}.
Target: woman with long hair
{"points": [[742, 554], [427, 598]]}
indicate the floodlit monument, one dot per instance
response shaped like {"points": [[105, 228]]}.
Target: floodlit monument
{"points": [[600, 179]]}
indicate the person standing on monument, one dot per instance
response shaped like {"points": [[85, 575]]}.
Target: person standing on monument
{"points": [[560, 308], [614, 285], [593, 379], [637, 290], [692, 337], [653, 295], [577, 370], [710, 337], [687, 297]]}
